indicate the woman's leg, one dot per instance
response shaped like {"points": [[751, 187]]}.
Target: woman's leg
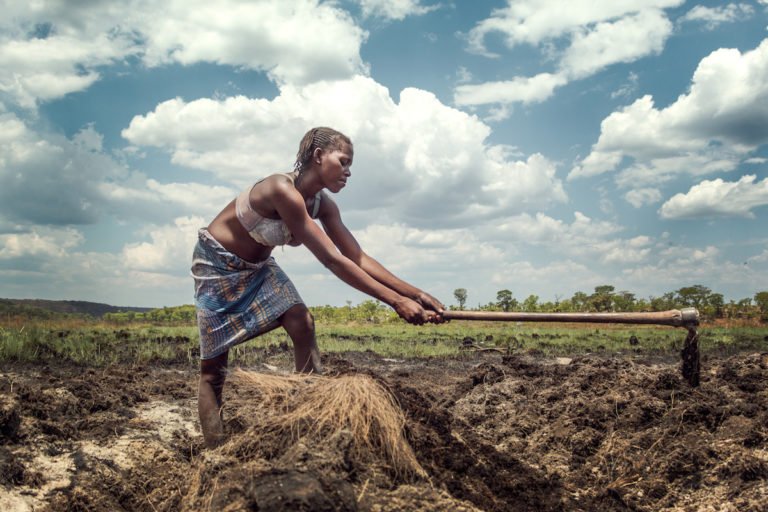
{"points": [[300, 326], [212, 375]]}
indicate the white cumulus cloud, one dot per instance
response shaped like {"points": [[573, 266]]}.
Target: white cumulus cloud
{"points": [[38, 69], [520, 89], [39, 242], [624, 40], [535, 21], [718, 198], [50, 179], [718, 122], [642, 196], [759, 258], [712, 17], [49, 49], [255, 35], [169, 245], [404, 155], [584, 237], [684, 265], [394, 9], [147, 198], [597, 35]]}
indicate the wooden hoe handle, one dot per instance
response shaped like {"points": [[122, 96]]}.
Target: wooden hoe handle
{"points": [[688, 317]]}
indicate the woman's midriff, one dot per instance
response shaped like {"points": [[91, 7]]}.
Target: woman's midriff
{"points": [[228, 231]]}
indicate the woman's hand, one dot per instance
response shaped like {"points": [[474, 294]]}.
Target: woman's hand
{"points": [[435, 307], [411, 311]]}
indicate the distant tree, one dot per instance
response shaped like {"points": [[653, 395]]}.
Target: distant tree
{"points": [[324, 313], [730, 310], [565, 306], [491, 306], [695, 296], [605, 289], [368, 310], [505, 300], [580, 301], [761, 299], [531, 303], [461, 296], [663, 303], [548, 307], [744, 307], [642, 305], [715, 305], [350, 314], [602, 299], [624, 301]]}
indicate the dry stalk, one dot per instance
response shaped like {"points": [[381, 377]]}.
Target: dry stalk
{"points": [[362, 492], [317, 408]]}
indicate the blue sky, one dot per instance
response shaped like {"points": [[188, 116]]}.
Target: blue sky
{"points": [[545, 147]]}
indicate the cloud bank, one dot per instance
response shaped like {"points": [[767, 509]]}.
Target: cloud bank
{"points": [[419, 160], [719, 122], [581, 38], [718, 198], [50, 49]]}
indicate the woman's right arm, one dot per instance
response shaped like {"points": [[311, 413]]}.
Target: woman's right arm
{"points": [[289, 204]]}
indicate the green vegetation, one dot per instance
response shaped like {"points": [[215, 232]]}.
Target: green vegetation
{"points": [[95, 344], [48, 308], [605, 298], [460, 294], [761, 300], [177, 315], [9, 308], [101, 343], [169, 335]]}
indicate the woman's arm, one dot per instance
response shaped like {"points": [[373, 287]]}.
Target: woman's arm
{"points": [[343, 239], [289, 204]]}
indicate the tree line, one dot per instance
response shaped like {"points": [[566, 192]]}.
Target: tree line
{"points": [[176, 315], [371, 311], [605, 298]]}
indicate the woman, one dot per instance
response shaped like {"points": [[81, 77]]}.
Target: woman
{"points": [[240, 292]]}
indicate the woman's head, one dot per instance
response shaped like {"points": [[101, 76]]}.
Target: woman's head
{"points": [[318, 138]]}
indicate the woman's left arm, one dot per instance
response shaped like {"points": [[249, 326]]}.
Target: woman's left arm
{"points": [[330, 217]]}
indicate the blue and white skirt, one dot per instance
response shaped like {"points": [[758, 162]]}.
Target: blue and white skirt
{"points": [[236, 300]]}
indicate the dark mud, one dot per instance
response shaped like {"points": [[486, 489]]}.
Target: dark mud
{"points": [[492, 432]]}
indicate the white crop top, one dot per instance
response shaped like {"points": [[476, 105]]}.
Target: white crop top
{"points": [[266, 231]]}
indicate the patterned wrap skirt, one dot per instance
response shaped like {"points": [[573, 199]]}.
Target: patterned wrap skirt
{"points": [[236, 300]]}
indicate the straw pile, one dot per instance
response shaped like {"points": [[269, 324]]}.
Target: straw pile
{"points": [[315, 409]]}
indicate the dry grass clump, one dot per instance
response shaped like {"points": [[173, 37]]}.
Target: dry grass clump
{"points": [[316, 408]]}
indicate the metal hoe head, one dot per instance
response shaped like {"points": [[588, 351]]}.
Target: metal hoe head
{"points": [[691, 358]]}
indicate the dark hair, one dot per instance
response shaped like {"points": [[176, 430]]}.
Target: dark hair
{"points": [[321, 137]]}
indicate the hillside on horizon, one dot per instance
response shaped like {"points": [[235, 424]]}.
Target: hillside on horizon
{"points": [[72, 307]]}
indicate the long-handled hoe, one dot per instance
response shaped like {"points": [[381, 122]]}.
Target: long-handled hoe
{"points": [[687, 318]]}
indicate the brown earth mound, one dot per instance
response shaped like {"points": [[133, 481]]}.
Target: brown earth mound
{"points": [[490, 432]]}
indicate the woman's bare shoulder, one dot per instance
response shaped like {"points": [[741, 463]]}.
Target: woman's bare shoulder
{"points": [[268, 191], [275, 183], [278, 177]]}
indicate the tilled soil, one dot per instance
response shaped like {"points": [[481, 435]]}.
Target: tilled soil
{"points": [[493, 432]]}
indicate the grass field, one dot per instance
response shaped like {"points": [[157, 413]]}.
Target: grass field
{"points": [[99, 343]]}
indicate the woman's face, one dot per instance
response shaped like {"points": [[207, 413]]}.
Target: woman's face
{"points": [[334, 166]]}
